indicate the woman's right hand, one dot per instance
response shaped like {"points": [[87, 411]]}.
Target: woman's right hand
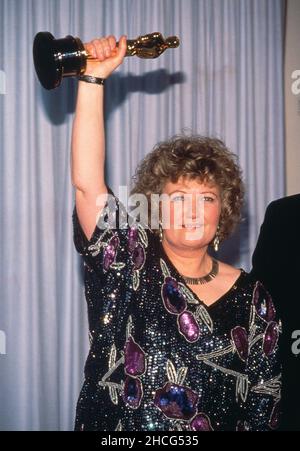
{"points": [[110, 55]]}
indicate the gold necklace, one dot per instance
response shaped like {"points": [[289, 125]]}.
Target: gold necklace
{"points": [[204, 279]]}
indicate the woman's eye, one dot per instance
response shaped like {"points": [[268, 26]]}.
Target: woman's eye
{"points": [[179, 198], [208, 199]]}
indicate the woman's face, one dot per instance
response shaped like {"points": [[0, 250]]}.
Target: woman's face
{"points": [[195, 210]]}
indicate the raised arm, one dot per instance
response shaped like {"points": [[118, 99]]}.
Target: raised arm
{"points": [[88, 136]]}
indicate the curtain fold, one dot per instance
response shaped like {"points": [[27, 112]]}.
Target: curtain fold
{"points": [[225, 79]]}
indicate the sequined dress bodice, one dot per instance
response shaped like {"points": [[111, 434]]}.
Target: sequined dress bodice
{"points": [[160, 360]]}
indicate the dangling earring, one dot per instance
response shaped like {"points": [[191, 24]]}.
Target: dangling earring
{"points": [[160, 231], [216, 241]]}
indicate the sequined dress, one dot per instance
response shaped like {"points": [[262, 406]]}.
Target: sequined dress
{"points": [[160, 359]]}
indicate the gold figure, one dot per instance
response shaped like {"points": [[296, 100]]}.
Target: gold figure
{"points": [[150, 45], [55, 59]]}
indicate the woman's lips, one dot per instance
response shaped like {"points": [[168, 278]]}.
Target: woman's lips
{"points": [[193, 226]]}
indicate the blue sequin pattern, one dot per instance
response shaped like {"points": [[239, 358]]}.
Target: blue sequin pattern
{"points": [[159, 359]]}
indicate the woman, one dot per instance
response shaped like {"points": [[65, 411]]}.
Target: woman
{"points": [[179, 341]]}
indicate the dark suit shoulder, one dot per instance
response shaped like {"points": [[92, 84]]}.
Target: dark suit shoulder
{"points": [[285, 203], [284, 209]]}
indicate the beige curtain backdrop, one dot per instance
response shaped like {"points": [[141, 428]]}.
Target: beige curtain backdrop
{"points": [[292, 97]]}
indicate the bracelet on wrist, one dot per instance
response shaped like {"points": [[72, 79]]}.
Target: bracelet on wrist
{"points": [[92, 79]]}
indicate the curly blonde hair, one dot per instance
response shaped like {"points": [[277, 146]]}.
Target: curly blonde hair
{"points": [[195, 157]]}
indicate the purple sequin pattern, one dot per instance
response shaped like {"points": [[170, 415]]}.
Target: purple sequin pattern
{"points": [[176, 401], [110, 252]]}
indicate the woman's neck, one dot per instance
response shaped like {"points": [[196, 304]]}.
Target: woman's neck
{"points": [[189, 262]]}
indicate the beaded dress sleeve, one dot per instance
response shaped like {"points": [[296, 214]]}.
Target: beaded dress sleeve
{"points": [[261, 410]]}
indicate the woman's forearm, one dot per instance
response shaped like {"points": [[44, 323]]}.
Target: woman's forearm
{"points": [[88, 139]]}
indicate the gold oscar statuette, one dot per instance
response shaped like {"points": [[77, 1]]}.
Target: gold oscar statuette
{"points": [[55, 59]]}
